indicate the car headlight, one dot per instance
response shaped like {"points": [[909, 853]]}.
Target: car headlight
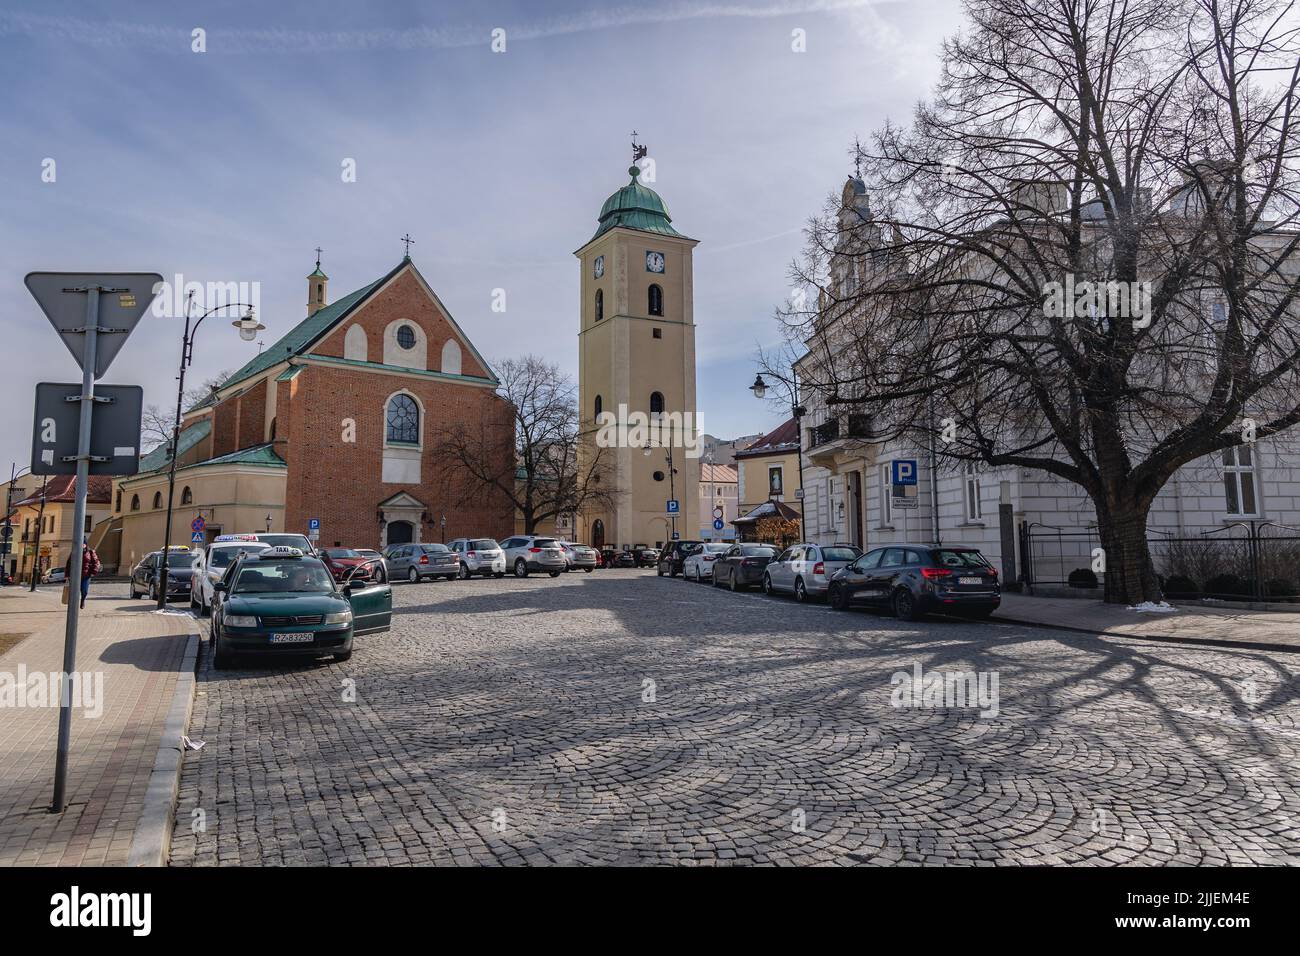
{"points": [[339, 617], [240, 620]]}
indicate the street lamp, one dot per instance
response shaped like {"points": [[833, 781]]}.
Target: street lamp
{"points": [[248, 328], [759, 388]]}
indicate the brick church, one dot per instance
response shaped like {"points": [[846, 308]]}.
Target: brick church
{"points": [[338, 421]]}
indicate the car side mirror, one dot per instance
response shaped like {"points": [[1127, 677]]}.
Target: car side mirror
{"points": [[219, 586]]}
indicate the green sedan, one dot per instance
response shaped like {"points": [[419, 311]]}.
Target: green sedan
{"points": [[279, 602]]}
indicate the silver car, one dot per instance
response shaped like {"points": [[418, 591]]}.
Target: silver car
{"points": [[415, 562], [579, 557], [531, 552], [698, 565], [479, 556], [805, 570]]}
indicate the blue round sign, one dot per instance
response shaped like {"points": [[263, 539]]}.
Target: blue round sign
{"points": [[717, 524]]}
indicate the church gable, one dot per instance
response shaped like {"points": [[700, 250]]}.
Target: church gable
{"points": [[402, 323]]}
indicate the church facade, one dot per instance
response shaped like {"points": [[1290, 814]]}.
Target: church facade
{"points": [[636, 360], [338, 421]]}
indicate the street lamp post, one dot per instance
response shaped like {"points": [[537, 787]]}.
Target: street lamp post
{"points": [[248, 328], [759, 388]]}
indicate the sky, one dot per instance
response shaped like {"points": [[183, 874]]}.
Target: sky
{"points": [[227, 165]]}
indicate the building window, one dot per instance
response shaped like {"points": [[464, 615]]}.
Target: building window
{"points": [[320, 292], [135, 502], [157, 499], [89, 523], [187, 496], [117, 504], [659, 476], [597, 408], [406, 337], [886, 505], [972, 485], [600, 304], [403, 419], [656, 300], [657, 333], [775, 482], [656, 403], [1239, 480]]}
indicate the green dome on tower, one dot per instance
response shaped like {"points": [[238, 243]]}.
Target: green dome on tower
{"points": [[636, 207]]}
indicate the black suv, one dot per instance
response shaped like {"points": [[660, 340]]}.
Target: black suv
{"points": [[672, 556], [913, 579]]}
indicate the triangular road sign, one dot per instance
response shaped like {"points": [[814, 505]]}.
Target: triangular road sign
{"points": [[123, 299]]}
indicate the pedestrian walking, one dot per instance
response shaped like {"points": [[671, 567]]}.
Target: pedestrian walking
{"points": [[90, 566]]}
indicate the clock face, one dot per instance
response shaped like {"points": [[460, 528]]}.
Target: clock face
{"points": [[599, 268], [654, 262]]}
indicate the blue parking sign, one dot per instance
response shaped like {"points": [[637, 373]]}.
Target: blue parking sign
{"points": [[674, 506], [903, 471], [313, 524]]}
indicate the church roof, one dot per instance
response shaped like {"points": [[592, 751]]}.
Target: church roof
{"points": [[191, 435], [636, 207]]}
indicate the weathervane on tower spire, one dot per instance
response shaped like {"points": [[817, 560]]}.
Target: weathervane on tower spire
{"points": [[638, 152]]}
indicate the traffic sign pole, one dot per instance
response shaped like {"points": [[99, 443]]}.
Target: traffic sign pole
{"points": [[77, 554]]}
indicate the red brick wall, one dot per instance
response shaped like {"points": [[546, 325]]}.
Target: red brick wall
{"points": [[404, 298], [225, 422], [341, 483], [252, 416]]}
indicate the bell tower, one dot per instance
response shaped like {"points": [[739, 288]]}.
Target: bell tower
{"points": [[636, 354], [317, 288]]}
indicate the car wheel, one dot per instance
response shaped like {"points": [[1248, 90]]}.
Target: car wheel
{"points": [[464, 571], [521, 568], [381, 576], [342, 656], [498, 574], [800, 592], [220, 658], [413, 576], [767, 585], [153, 592], [589, 570], [735, 583], [905, 606], [555, 574], [839, 599]]}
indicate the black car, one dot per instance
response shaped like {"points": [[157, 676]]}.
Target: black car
{"points": [[671, 557], [915, 579], [743, 565], [625, 559], [178, 575]]}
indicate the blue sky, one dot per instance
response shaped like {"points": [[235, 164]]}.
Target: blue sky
{"points": [[225, 165]]}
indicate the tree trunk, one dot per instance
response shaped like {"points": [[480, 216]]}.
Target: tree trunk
{"points": [[1130, 577]]}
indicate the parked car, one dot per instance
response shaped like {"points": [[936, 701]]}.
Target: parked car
{"points": [[625, 559], [529, 552], [742, 565], [55, 576], [805, 570], [377, 563], [608, 556], [416, 561], [283, 539], [347, 564], [479, 556], [913, 580], [698, 565], [281, 602], [212, 563], [177, 574], [579, 557], [646, 556], [672, 557]]}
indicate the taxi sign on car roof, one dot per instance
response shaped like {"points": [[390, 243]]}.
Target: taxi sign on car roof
{"points": [[280, 551], [223, 538]]}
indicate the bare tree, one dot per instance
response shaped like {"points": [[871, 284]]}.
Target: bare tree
{"points": [[156, 422], [1081, 255], [543, 478]]}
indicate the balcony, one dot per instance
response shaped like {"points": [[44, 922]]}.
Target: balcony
{"points": [[836, 435]]}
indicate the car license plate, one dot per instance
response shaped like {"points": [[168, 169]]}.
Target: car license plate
{"points": [[970, 580], [300, 637]]}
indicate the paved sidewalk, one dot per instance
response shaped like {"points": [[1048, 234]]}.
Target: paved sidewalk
{"points": [[138, 652], [1227, 626]]}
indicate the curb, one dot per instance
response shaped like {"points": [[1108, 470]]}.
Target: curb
{"points": [[1160, 638], [153, 833]]}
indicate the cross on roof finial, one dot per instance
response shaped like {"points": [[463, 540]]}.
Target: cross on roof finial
{"points": [[638, 152], [318, 252], [408, 240]]}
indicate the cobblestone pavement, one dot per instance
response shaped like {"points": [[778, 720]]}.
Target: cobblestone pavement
{"points": [[618, 717]]}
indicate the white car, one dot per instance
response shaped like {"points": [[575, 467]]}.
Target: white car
{"points": [[481, 556], [212, 562], [698, 565]]}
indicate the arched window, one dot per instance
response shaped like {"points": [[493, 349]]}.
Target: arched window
{"points": [[187, 496], [403, 420], [599, 407], [600, 304], [135, 502], [157, 499], [118, 504], [656, 300], [451, 357], [656, 403]]}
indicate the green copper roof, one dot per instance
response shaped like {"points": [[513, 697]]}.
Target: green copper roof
{"points": [[256, 455], [317, 274], [190, 436], [298, 339], [636, 207]]}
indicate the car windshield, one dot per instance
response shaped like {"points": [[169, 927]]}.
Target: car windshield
{"points": [[293, 575], [342, 553], [546, 543], [959, 559], [840, 554], [717, 548], [483, 544], [757, 551], [435, 547], [221, 557], [287, 540], [180, 559]]}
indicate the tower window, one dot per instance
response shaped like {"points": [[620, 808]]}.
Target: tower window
{"points": [[157, 499], [656, 300], [598, 407], [135, 502], [406, 337], [600, 304], [657, 333], [656, 403], [320, 292]]}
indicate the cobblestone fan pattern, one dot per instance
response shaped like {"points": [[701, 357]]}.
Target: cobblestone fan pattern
{"points": [[516, 722]]}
